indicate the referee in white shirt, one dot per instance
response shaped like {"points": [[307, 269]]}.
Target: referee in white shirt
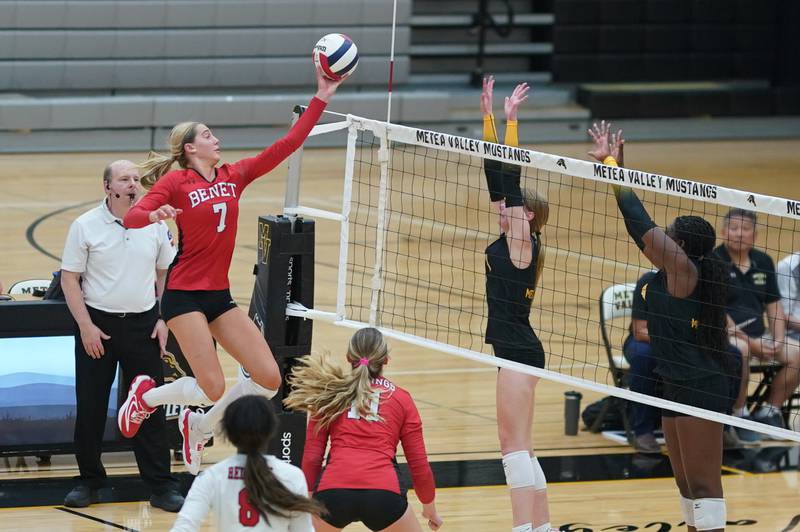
{"points": [[109, 275]]}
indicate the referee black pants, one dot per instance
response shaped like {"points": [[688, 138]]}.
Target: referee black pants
{"points": [[137, 353]]}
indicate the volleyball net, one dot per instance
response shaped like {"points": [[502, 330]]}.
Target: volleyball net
{"points": [[416, 220]]}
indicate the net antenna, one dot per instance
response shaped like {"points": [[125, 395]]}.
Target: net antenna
{"points": [[415, 221], [391, 63]]}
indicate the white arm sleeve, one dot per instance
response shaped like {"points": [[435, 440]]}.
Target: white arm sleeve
{"points": [[197, 505], [76, 251], [301, 521]]}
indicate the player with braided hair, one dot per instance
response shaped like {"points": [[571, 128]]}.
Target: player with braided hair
{"points": [[687, 326]]}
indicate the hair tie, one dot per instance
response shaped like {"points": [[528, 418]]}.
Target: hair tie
{"points": [[363, 361]]}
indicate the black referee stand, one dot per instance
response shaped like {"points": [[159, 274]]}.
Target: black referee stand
{"points": [[284, 272]]}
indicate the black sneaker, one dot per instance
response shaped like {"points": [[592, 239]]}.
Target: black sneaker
{"points": [[169, 501], [81, 497]]}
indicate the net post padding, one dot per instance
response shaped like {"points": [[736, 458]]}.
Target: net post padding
{"points": [[377, 280], [344, 234]]}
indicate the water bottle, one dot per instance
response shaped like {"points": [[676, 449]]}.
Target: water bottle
{"points": [[572, 412]]}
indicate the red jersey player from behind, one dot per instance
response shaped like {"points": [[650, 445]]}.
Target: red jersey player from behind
{"points": [[197, 304], [365, 416]]}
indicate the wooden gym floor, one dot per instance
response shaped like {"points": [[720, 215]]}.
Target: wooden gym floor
{"points": [[455, 397]]}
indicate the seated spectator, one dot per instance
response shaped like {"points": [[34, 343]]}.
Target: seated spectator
{"points": [[753, 292], [636, 348], [788, 273]]}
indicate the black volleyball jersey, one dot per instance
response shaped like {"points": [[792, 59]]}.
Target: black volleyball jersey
{"points": [[672, 323], [509, 292]]}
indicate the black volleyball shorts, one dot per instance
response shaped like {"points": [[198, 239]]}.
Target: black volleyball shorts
{"points": [[377, 509], [212, 303]]}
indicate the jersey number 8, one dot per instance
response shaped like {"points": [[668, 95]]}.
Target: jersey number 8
{"points": [[248, 515]]}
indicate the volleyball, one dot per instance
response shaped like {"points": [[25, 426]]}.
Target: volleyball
{"points": [[337, 55]]}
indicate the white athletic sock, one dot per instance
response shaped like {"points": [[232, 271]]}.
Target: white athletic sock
{"points": [[543, 528], [183, 391], [208, 422], [687, 509], [527, 527], [740, 412]]}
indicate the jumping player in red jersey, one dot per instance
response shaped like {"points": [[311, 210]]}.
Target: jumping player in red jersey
{"points": [[365, 416], [197, 304]]}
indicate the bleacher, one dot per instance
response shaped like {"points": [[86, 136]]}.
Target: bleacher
{"points": [[113, 74], [674, 58], [93, 75]]}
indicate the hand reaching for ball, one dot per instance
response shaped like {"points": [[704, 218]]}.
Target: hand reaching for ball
{"points": [[326, 87]]}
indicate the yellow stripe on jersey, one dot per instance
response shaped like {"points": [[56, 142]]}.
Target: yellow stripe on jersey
{"points": [[512, 136], [489, 130]]}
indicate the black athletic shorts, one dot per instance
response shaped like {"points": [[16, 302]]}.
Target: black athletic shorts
{"points": [[531, 356], [377, 509], [212, 303], [714, 392]]}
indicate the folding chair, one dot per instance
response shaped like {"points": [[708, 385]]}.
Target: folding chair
{"points": [[616, 302], [31, 287]]}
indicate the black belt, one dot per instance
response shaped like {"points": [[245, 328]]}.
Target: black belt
{"points": [[123, 314]]}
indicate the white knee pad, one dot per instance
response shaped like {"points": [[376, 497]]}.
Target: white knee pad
{"points": [[709, 514], [251, 387], [539, 480], [519, 470], [687, 509]]}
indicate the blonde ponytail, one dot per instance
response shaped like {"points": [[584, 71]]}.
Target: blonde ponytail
{"points": [[157, 164], [538, 205], [326, 390]]}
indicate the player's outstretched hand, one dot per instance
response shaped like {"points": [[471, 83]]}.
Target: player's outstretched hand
{"points": [[326, 87], [513, 102], [605, 142], [163, 213], [429, 512], [487, 94]]}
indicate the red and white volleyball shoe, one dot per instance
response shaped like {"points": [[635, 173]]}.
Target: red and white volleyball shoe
{"points": [[194, 441], [134, 410]]}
